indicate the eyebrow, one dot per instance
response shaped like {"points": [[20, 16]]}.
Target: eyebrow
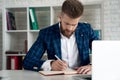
{"points": [[70, 24]]}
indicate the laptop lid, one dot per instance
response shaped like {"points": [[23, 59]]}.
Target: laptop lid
{"points": [[106, 60]]}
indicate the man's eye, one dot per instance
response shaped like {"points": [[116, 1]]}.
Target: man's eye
{"points": [[73, 24], [67, 24]]}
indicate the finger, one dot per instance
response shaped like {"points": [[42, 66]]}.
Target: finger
{"points": [[60, 65], [89, 72], [56, 66], [81, 70], [65, 63], [76, 68], [59, 68], [86, 71]]}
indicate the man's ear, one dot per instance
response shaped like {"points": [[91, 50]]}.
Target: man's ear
{"points": [[59, 17]]}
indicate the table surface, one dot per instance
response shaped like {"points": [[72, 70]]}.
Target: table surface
{"points": [[31, 75]]}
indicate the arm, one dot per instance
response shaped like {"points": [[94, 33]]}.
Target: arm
{"points": [[32, 60], [90, 36]]}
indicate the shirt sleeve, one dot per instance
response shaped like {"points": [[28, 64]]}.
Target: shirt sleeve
{"points": [[46, 65]]}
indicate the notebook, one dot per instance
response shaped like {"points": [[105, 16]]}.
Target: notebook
{"points": [[65, 72], [106, 60]]}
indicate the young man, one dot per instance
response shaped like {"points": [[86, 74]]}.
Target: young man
{"points": [[68, 39]]}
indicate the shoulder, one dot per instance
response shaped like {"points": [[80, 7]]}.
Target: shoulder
{"points": [[84, 25], [50, 29]]}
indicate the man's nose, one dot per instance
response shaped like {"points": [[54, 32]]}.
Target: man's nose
{"points": [[70, 28]]}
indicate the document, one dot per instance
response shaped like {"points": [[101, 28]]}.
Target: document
{"points": [[65, 72]]}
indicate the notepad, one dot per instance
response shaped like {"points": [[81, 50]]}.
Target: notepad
{"points": [[65, 72]]}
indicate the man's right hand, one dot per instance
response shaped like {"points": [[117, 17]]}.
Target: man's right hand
{"points": [[58, 65]]}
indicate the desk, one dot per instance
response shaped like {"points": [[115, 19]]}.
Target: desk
{"points": [[31, 75]]}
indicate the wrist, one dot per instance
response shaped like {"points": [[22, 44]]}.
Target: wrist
{"points": [[51, 64]]}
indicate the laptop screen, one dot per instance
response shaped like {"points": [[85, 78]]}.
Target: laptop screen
{"points": [[106, 60]]}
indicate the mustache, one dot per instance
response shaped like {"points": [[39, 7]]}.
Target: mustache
{"points": [[67, 30]]}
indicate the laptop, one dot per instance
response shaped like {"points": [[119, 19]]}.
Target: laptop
{"points": [[106, 60], [81, 77]]}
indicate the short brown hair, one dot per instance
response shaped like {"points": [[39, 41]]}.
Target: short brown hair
{"points": [[73, 8]]}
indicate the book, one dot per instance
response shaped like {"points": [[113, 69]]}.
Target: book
{"points": [[8, 63], [65, 72], [11, 24], [8, 21], [14, 62], [33, 19]]}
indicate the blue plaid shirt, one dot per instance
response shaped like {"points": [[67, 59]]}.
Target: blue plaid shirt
{"points": [[49, 40]]}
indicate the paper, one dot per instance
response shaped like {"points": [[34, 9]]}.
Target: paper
{"points": [[65, 72]]}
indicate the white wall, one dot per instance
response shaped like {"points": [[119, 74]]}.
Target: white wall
{"points": [[112, 20]]}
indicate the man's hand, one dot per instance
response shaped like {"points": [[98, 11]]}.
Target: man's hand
{"points": [[58, 65], [84, 69]]}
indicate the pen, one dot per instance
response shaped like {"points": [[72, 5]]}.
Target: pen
{"points": [[58, 58]]}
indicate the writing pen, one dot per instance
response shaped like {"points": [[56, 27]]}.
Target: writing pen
{"points": [[58, 58]]}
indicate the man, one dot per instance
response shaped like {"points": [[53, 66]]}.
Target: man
{"points": [[68, 39]]}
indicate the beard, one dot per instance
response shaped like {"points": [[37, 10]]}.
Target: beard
{"points": [[66, 32]]}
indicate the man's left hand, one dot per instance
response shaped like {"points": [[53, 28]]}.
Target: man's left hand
{"points": [[84, 69]]}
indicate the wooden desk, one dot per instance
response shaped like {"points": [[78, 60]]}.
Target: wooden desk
{"points": [[31, 75]]}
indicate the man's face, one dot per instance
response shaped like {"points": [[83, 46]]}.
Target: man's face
{"points": [[68, 25]]}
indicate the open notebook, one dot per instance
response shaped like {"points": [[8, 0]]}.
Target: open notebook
{"points": [[66, 72]]}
